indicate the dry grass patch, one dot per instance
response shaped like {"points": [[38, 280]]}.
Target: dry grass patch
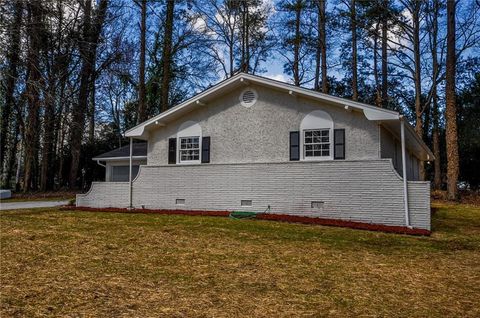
{"points": [[88, 264]]}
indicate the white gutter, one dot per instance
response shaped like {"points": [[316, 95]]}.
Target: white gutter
{"points": [[119, 158], [130, 206], [404, 171]]}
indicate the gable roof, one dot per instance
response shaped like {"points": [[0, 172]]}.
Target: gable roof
{"points": [[374, 113], [139, 152]]}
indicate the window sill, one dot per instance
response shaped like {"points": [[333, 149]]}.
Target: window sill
{"points": [[317, 159], [189, 162]]}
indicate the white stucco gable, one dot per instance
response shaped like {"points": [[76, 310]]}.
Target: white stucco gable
{"points": [[203, 99]]}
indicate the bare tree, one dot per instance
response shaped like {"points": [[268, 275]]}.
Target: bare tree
{"points": [[33, 88], [167, 54], [88, 50], [378, 95], [353, 21], [451, 108], [321, 53], [384, 22], [294, 39], [432, 24], [220, 22], [142, 111], [13, 58]]}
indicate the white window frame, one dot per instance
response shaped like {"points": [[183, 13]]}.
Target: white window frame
{"points": [[189, 129], [321, 157], [179, 149], [316, 120]]}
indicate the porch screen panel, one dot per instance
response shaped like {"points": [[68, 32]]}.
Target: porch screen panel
{"points": [[120, 173]]}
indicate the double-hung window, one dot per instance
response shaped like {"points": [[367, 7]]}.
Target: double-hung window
{"points": [[189, 150], [316, 143]]}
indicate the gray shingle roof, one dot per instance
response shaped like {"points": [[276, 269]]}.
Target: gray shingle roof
{"points": [[139, 149]]}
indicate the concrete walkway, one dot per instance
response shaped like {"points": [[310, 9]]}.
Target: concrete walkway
{"points": [[30, 204]]}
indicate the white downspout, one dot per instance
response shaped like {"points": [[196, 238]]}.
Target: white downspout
{"points": [[130, 206], [404, 171], [101, 164]]}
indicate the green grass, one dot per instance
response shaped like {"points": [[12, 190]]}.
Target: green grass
{"points": [[58, 263]]}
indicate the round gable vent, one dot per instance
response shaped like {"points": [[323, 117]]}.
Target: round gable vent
{"points": [[248, 97]]}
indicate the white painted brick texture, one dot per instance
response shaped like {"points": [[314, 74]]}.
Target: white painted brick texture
{"points": [[358, 190]]}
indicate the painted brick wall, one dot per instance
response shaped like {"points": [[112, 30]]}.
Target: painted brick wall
{"points": [[359, 190], [105, 194]]}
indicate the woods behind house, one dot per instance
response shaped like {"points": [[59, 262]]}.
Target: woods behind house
{"points": [[75, 75]]}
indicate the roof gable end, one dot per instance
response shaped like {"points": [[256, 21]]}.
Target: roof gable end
{"points": [[371, 112]]}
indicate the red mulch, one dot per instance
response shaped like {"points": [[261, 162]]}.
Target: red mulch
{"points": [[272, 217]]}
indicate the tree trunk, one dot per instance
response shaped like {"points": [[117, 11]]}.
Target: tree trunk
{"points": [[231, 48], [451, 109], [46, 178], [323, 43], [378, 99], [88, 54], [12, 155], [167, 54], [318, 56], [418, 78], [437, 176], [353, 17], [296, 44], [384, 53], [13, 57], [142, 111], [91, 111], [32, 92], [243, 36], [247, 37]]}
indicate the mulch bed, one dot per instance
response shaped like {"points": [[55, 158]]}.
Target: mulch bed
{"points": [[271, 217]]}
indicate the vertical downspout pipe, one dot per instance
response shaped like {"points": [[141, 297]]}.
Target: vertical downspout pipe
{"points": [[130, 206], [404, 171]]}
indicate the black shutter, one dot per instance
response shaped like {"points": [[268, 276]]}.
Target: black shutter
{"points": [[205, 149], [339, 144], [172, 150], [294, 145]]}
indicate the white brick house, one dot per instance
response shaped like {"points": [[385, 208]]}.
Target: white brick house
{"points": [[249, 143]]}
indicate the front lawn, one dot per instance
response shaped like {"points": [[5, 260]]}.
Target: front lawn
{"points": [[59, 263]]}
